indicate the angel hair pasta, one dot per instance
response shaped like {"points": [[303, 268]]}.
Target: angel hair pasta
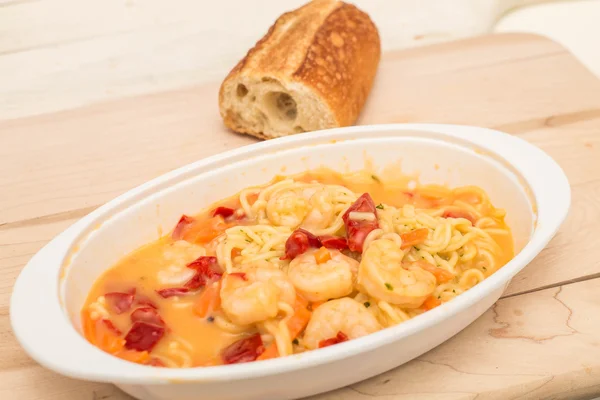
{"points": [[298, 264]]}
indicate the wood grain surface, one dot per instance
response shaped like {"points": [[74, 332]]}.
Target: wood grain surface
{"points": [[539, 341]]}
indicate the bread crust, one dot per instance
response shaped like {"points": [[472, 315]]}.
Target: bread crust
{"points": [[328, 47]]}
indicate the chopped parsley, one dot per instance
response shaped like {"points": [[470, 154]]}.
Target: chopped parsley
{"points": [[389, 286], [379, 207], [248, 240], [484, 268], [210, 319], [295, 341], [453, 290], [367, 304], [375, 178]]}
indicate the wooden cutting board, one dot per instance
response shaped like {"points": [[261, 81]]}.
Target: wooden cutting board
{"points": [[540, 341]]}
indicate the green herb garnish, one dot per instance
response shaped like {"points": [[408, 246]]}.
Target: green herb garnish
{"points": [[367, 304], [375, 178], [389, 286], [379, 207], [484, 268], [295, 341]]}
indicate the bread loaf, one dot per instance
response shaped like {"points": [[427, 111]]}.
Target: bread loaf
{"points": [[312, 70]]}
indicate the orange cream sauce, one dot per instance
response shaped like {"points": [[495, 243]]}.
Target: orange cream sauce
{"points": [[198, 335]]}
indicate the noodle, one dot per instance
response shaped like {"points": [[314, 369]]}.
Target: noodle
{"points": [[420, 247]]}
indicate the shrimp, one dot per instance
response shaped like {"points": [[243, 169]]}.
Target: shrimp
{"points": [[321, 210], [382, 276], [301, 204], [177, 256], [255, 295], [331, 279], [287, 208], [343, 315]]}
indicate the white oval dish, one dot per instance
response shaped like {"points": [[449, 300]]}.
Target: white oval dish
{"points": [[52, 288]]}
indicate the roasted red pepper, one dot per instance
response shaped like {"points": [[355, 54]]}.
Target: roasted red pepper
{"points": [[143, 336], [119, 302], [147, 314], [225, 212], [334, 242], [181, 226], [299, 241], [170, 292], [339, 338], [206, 270], [244, 350], [357, 230]]}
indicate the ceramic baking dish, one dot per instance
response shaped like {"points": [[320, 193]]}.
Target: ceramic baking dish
{"points": [[52, 288]]}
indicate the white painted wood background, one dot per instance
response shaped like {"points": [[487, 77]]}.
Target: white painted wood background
{"points": [[62, 54]]}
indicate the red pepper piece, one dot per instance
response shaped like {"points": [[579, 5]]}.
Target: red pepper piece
{"points": [[334, 242], [357, 230], [206, 270], [170, 292], [147, 314], [298, 242], [119, 302], [181, 227], [143, 336], [244, 350], [225, 212], [339, 338]]}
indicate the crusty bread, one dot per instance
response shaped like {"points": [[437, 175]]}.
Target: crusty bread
{"points": [[312, 70]]}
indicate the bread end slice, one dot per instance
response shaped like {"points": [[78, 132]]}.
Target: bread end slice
{"points": [[267, 108], [312, 70]]}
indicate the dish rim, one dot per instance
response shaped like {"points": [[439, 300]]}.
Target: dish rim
{"points": [[112, 369]]}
